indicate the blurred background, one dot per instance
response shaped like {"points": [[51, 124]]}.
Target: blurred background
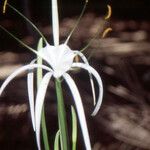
{"points": [[122, 59]]}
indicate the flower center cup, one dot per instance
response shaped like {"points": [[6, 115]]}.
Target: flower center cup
{"points": [[60, 58]]}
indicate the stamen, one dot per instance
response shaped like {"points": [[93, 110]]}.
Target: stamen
{"points": [[106, 31], [76, 24], [100, 29], [19, 13], [4, 6], [109, 13], [18, 40]]}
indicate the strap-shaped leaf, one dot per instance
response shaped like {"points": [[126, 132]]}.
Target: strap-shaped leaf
{"points": [[80, 110], [99, 81], [39, 79], [57, 138]]}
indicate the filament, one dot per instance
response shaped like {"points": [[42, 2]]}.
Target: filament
{"points": [[76, 24], [26, 19]]}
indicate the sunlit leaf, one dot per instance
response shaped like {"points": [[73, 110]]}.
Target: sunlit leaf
{"points": [[56, 142]]}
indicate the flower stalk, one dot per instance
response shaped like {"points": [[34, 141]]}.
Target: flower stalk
{"points": [[62, 116]]}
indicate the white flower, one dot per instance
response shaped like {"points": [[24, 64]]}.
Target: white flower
{"points": [[60, 60]]}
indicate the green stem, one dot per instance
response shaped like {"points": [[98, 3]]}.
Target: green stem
{"points": [[62, 116]]}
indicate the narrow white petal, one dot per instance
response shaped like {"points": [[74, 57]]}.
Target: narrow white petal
{"points": [[80, 110], [90, 75], [30, 87], [39, 105], [18, 71], [99, 81], [55, 20]]}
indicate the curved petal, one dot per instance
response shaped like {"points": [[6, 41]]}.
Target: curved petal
{"points": [[80, 110], [55, 21], [30, 87], [96, 75], [39, 105], [90, 75], [18, 71]]}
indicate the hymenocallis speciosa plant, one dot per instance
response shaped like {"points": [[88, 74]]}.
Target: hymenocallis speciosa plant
{"points": [[60, 59]]}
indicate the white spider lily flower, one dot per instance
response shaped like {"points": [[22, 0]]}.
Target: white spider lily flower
{"points": [[57, 68], [60, 60]]}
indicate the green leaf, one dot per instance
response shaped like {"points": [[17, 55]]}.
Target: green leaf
{"points": [[74, 128], [56, 143], [39, 79]]}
